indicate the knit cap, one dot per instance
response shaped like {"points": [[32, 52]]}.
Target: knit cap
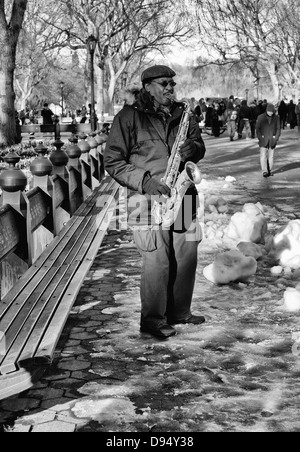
{"points": [[271, 107]]}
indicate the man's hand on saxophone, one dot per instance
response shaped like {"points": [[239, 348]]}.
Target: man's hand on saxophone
{"points": [[188, 150], [154, 187]]}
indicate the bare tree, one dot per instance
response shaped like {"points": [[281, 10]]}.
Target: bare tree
{"points": [[259, 33], [38, 49], [123, 29], [11, 20]]}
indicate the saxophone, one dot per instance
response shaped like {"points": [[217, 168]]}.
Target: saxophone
{"points": [[166, 212]]}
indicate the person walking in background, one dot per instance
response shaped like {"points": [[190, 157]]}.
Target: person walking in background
{"points": [[22, 116], [264, 105], [83, 115], [245, 115], [203, 107], [47, 115], [253, 118], [232, 121], [282, 111], [297, 111], [216, 123], [292, 117], [268, 133], [230, 103], [209, 113], [136, 155], [198, 113]]}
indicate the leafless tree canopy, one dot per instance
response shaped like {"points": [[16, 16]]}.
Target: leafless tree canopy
{"points": [[262, 34]]}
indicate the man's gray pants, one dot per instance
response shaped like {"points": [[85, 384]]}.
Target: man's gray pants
{"points": [[168, 273]]}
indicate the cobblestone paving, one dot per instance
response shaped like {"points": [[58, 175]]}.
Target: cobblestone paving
{"points": [[237, 373]]}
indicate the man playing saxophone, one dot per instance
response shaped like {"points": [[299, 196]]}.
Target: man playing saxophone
{"points": [[137, 155]]}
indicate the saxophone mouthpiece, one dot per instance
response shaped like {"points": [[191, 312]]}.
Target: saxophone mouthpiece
{"points": [[172, 97]]}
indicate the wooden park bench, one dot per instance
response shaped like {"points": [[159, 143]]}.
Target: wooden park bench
{"points": [[49, 238], [34, 312]]}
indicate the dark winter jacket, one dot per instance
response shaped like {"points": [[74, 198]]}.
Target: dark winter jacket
{"points": [[283, 110], [268, 130], [245, 111], [140, 142]]}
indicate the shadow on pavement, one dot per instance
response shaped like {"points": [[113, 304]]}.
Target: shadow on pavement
{"points": [[289, 167]]}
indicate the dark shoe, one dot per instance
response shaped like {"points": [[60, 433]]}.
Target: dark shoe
{"points": [[193, 320], [266, 174], [160, 331]]}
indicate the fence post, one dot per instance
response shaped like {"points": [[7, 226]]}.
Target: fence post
{"points": [[41, 168], [59, 159], [12, 234], [75, 186], [13, 182], [95, 162], [101, 139], [86, 165], [61, 182]]}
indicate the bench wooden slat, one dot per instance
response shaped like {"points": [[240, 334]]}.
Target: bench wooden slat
{"points": [[48, 345], [26, 286], [34, 313], [14, 323], [19, 323], [53, 248], [50, 333], [25, 322]]}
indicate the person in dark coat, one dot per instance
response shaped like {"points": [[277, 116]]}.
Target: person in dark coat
{"points": [[210, 112], [47, 115], [253, 119], [283, 111], [245, 116], [136, 155], [268, 133], [292, 117]]}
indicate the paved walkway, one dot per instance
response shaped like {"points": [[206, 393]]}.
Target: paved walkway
{"points": [[237, 373]]}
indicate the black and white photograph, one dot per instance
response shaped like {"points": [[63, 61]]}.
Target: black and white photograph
{"points": [[150, 219]]}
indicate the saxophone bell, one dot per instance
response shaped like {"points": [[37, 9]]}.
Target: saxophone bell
{"points": [[193, 173]]}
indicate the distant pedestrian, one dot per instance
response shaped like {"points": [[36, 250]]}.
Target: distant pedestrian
{"points": [[253, 118], [245, 116], [198, 112], [230, 103], [297, 111], [292, 117], [83, 115], [283, 111], [268, 132], [22, 116], [232, 122], [203, 107], [47, 115], [18, 137]]}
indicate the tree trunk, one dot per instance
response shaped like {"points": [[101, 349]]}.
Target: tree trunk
{"points": [[270, 66], [25, 91], [111, 92], [7, 96], [9, 35]]}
